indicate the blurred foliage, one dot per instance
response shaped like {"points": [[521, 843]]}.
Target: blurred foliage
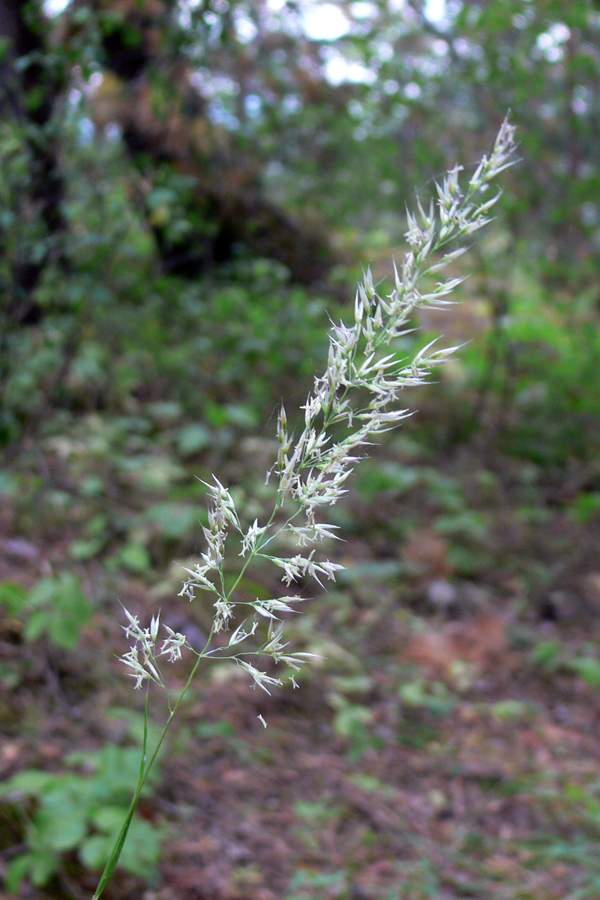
{"points": [[154, 158], [187, 191], [170, 173], [80, 812], [58, 608]]}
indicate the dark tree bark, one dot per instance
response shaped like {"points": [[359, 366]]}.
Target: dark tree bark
{"points": [[227, 192], [29, 88]]}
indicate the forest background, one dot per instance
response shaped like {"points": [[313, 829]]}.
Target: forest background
{"points": [[189, 191]]}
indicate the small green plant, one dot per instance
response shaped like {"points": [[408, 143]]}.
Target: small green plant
{"points": [[588, 668], [354, 402], [79, 813], [56, 607]]}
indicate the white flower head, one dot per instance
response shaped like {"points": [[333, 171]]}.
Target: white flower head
{"points": [[251, 537], [173, 644], [356, 399], [260, 678]]}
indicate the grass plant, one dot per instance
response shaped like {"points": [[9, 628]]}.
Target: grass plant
{"points": [[352, 403]]}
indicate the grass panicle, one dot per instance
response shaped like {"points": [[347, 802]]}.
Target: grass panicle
{"points": [[351, 404]]}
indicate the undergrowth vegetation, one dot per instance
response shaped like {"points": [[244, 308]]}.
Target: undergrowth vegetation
{"points": [[158, 393], [442, 741]]}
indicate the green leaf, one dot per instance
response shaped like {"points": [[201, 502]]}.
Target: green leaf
{"points": [[545, 653], [61, 610], [109, 818], [136, 725], [467, 523], [43, 865], [375, 785], [16, 871], [588, 668], [446, 492], [215, 729], [29, 783], [351, 719], [91, 486], [585, 506], [375, 479], [142, 848], [64, 632], [43, 592], [95, 850], [164, 412], [86, 549], [241, 415], [135, 557], [13, 595], [193, 438], [431, 695], [174, 520], [36, 625], [116, 770], [61, 820]]}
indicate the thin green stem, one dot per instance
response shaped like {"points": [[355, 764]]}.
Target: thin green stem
{"points": [[144, 771]]}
